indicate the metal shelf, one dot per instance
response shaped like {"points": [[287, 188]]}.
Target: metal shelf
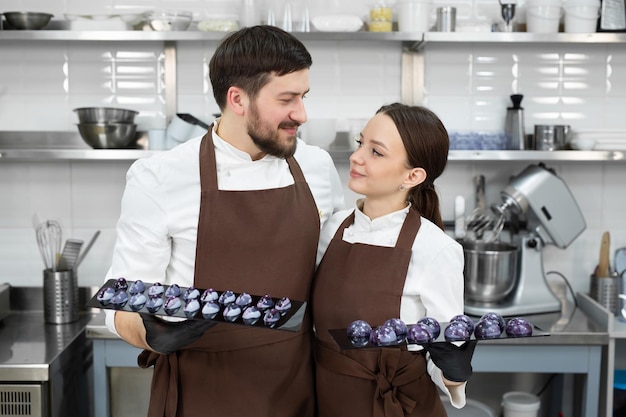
{"points": [[138, 35], [565, 156], [43, 155], [419, 37]]}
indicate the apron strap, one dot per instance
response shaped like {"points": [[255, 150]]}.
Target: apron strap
{"points": [[164, 389]]}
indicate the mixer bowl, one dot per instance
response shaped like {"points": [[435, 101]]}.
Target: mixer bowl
{"points": [[491, 271]]}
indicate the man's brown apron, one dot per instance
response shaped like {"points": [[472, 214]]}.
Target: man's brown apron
{"points": [[260, 242], [360, 281]]}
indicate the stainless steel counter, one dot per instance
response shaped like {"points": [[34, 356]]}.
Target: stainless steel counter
{"points": [[573, 347], [47, 366]]}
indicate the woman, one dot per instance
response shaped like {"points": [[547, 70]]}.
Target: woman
{"points": [[390, 258]]}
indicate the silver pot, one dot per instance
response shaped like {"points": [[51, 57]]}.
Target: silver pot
{"points": [[491, 270]]}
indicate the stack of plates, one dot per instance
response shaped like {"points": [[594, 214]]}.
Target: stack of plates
{"points": [[605, 139]]}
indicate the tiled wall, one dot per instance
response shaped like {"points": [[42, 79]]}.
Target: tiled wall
{"points": [[468, 85]]}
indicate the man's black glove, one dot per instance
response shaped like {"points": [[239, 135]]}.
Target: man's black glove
{"points": [[454, 361], [168, 337]]}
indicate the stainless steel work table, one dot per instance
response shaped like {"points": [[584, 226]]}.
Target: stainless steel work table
{"points": [[573, 347], [53, 360]]}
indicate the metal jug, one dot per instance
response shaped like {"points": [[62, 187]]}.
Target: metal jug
{"points": [[514, 126]]}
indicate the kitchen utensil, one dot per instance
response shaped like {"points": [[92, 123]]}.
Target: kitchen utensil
{"points": [[604, 261], [552, 217], [620, 261], [68, 257], [508, 14], [105, 115], [483, 224], [27, 20], [49, 237], [551, 137], [108, 135], [446, 19], [89, 245], [514, 124], [491, 270], [60, 296]]}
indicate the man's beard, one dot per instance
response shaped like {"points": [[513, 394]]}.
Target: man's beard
{"points": [[268, 140]]}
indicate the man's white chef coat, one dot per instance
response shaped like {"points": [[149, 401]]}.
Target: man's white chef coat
{"points": [[157, 229]]}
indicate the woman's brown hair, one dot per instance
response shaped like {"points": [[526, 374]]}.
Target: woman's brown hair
{"points": [[426, 141]]}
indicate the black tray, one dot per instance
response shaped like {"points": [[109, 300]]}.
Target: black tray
{"points": [[344, 343], [291, 321]]}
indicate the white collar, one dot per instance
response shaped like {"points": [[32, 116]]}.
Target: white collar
{"points": [[393, 219]]}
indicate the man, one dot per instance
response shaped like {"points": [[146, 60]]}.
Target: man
{"points": [[239, 209]]}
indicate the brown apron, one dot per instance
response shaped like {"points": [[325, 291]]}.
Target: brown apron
{"points": [[260, 242], [360, 281]]}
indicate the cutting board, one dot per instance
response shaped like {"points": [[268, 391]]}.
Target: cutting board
{"points": [[604, 261]]}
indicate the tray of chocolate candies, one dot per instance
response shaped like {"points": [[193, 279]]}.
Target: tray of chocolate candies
{"points": [[394, 332], [200, 304]]}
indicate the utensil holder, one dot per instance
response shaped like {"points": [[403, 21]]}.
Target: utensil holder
{"points": [[604, 290], [60, 296]]}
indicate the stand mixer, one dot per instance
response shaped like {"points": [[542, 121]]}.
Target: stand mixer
{"points": [[553, 217]]}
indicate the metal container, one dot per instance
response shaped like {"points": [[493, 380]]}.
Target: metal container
{"points": [[446, 19], [60, 296], [551, 137], [491, 270]]}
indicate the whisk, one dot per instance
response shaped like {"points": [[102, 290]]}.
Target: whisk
{"points": [[49, 236], [483, 224]]}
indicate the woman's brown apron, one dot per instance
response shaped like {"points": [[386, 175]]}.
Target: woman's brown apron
{"points": [[260, 242], [360, 281]]}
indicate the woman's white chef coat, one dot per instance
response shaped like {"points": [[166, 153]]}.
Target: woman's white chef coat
{"points": [[434, 282], [157, 229]]}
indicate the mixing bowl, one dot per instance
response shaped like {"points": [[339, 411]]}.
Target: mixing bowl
{"points": [[27, 20], [491, 270], [107, 135], [170, 20], [105, 115]]}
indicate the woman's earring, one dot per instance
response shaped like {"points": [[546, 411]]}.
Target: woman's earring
{"points": [[402, 187]]}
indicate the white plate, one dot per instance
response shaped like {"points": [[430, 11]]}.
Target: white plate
{"points": [[337, 23]]}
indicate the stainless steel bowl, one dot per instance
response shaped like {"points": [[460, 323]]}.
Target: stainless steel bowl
{"points": [[491, 270], [27, 20], [105, 115], [108, 135]]}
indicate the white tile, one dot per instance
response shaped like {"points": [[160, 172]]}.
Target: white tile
{"points": [[96, 193]]}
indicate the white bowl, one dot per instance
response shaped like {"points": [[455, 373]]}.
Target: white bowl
{"points": [[170, 20], [583, 144], [337, 23]]}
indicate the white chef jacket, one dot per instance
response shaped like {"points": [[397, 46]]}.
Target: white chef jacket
{"points": [[157, 228], [434, 281]]}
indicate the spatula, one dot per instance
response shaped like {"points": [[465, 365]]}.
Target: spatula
{"points": [[604, 261]]}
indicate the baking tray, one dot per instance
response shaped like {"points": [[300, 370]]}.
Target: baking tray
{"points": [[291, 321], [344, 342]]}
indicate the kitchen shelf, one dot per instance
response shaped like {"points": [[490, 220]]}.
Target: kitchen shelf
{"points": [[568, 155], [515, 37], [410, 37], [43, 155], [138, 35]]}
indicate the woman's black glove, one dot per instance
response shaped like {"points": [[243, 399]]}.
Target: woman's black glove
{"points": [[167, 337], [454, 361]]}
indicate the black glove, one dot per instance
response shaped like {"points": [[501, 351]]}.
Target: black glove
{"points": [[454, 361], [168, 337]]}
